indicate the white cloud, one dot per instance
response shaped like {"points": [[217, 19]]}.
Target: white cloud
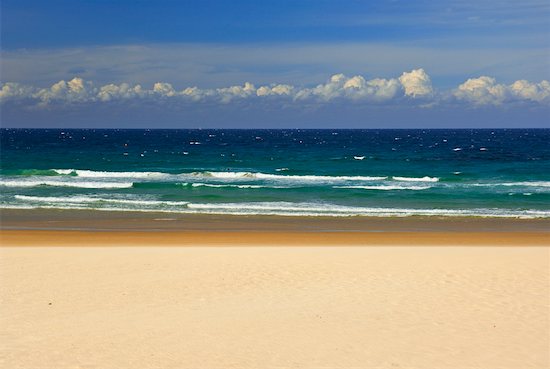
{"points": [[378, 89], [485, 90], [411, 88], [277, 90], [123, 91], [229, 93], [416, 83], [531, 91], [14, 91], [482, 90], [355, 88], [325, 92], [76, 90], [164, 89]]}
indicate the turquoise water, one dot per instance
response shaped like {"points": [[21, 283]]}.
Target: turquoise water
{"points": [[489, 173]]}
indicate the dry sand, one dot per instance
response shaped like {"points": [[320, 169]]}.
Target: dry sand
{"points": [[273, 307]]}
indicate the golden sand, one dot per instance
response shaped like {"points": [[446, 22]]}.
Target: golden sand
{"points": [[273, 307]]}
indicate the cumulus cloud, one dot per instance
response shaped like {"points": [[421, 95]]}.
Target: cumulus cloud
{"points": [[416, 83], [531, 91], [123, 91], [355, 88], [229, 93], [275, 90], [13, 91], [485, 90], [413, 87], [378, 89]]}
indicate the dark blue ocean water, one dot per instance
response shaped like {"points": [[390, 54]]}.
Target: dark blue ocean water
{"points": [[491, 173]]}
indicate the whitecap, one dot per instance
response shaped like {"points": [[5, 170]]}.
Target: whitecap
{"points": [[416, 179], [83, 173], [386, 187], [309, 178], [90, 184], [92, 199], [229, 185]]}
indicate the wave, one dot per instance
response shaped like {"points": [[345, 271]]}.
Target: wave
{"points": [[53, 183], [386, 187], [229, 175], [311, 209], [309, 178], [91, 199], [103, 174], [213, 174], [31, 172], [245, 186], [258, 208], [539, 184], [416, 179], [545, 184]]}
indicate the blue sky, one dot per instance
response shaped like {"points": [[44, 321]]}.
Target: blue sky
{"points": [[275, 63]]}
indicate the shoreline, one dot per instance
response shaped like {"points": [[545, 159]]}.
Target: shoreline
{"points": [[94, 220], [93, 228]]}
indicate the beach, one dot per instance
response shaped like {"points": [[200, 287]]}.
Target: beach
{"points": [[207, 249], [226, 293]]}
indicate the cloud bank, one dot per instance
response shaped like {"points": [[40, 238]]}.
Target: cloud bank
{"points": [[410, 88]]}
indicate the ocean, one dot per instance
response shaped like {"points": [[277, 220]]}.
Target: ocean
{"points": [[336, 173]]}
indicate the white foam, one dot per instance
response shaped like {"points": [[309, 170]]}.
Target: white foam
{"points": [[294, 209], [309, 209], [91, 199], [104, 174], [387, 187], [527, 184], [417, 179], [64, 183], [314, 178], [543, 184], [294, 178], [64, 171], [231, 186], [230, 176]]}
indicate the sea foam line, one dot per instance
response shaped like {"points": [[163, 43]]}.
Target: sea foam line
{"points": [[417, 179], [89, 199], [84, 173], [301, 210], [544, 184], [386, 187], [244, 186], [105, 174], [309, 178], [77, 184]]}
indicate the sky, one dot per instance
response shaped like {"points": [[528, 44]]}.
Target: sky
{"points": [[275, 64]]}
